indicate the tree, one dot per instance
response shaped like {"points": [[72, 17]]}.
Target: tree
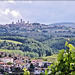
{"points": [[48, 53], [10, 55], [41, 73], [65, 62], [9, 63], [39, 53], [45, 65], [1, 56], [5, 73], [6, 55], [31, 67]]}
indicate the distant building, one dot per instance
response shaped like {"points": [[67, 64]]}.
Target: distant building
{"points": [[27, 22], [21, 21], [18, 21], [12, 22], [7, 59]]}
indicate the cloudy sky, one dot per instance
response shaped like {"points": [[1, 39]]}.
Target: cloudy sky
{"points": [[37, 11]]}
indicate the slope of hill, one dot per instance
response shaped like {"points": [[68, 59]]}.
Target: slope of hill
{"points": [[39, 32], [25, 45], [15, 42], [71, 24], [52, 58], [57, 44], [38, 38]]}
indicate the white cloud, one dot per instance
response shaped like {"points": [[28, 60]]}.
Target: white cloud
{"points": [[10, 1], [15, 13], [6, 11], [7, 15], [29, 2]]}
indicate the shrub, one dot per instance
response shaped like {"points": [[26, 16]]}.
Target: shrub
{"points": [[65, 62]]}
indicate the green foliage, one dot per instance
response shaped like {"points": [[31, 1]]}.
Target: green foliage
{"points": [[18, 52], [65, 62], [15, 42], [31, 68], [12, 52], [55, 44], [20, 37], [30, 47], [41, 73], [45, 72], [31, 54], [10, 55], [5, 73], [1, 56], [9, 63], [26, 72], [51, 58]]}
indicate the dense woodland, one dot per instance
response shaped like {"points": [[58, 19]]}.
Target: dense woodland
{"points": [[30, 47]]}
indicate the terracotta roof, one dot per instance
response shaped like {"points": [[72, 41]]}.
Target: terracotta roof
{"points": [[17, 56], [2, 62], [33, 60], [7, 58], [2, 52], [26, 57], [0, 58], [41, 68], [19, 63], [6, 65], [37, 60]]}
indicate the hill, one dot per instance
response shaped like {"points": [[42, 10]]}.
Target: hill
{"points": [[35, 37], [15, 42], [39, 32], [29, 46], [57, 44], [71, 24], [52, 58]]}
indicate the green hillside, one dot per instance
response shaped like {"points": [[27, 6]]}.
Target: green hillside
{"points": [[52, 58], [44, 40], [15, 42], [29, 46], [19, 52]]}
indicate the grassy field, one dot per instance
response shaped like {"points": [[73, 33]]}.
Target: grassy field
{"points": [[15, 52], [11, 41], [51, 58]]}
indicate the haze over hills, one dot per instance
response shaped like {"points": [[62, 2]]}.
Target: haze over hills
{"points": [[71, 24]]}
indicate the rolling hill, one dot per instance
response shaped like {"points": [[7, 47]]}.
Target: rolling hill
{"points": [[29, 46], [39, 39], [71, 24]]}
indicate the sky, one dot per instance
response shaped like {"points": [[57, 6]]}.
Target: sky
{"points": [[45, 12]]}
